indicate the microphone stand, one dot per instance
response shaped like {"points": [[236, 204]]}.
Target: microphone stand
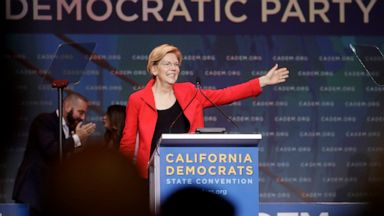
{"points": [[174, 121], [60, 85], [217, 107]]}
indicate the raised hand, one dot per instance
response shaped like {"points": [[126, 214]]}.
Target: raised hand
{"points": [[274, 76]]}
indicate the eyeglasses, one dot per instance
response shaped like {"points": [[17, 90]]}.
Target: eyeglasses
{"points": [[169, 64]]}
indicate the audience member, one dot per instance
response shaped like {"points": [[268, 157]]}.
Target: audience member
{"points": [[97, 182], [192, 201]]}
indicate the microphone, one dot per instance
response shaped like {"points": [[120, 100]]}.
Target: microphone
{"points": [[217, 107], [198, 86], [182, 111]]}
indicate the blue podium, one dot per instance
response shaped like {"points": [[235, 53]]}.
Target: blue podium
{"points": [[224, 164]]}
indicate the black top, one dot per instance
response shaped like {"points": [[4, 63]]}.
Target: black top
{"points": [[165, 119]]}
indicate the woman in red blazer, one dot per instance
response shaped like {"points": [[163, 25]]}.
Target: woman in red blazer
{"points": [[165, 106]]}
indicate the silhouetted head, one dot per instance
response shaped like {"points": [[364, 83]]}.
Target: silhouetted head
{"points": [[195, 201], [95, 182]]}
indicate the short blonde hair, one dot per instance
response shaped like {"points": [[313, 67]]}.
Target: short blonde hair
{"points": [[159, 52]]}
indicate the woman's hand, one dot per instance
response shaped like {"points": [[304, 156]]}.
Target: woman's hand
{"points": [[274, 76]]}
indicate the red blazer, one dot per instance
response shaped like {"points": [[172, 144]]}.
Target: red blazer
{"points": [[141, 114]]}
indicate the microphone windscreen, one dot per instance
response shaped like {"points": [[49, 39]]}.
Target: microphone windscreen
{"points": [[198, 82]]}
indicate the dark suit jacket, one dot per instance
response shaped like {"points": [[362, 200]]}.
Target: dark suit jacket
{"points": [[42, 151]]}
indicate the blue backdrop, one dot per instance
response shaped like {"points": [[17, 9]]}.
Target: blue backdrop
{"points": [[322, 129]]}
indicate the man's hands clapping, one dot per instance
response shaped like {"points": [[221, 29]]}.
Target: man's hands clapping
{"points": [[85, 130]]}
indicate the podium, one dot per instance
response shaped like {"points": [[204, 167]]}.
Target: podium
{"points": [[224, 164]]}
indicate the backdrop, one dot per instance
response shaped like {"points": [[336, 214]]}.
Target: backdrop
{"points": [[322, 130]]}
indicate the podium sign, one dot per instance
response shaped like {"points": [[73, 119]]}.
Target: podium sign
{"points": [[224, 164]]}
